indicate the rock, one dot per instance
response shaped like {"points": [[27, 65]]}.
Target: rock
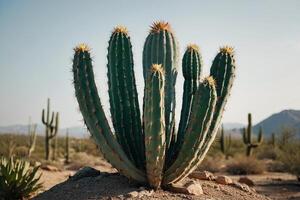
{"points": [[49, 168], [241, 186], [246, 180], [205, 175], [147, 193], [85, 172], [132, 194], [191, 188], [225, 180]]}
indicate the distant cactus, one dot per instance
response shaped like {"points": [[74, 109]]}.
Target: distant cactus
{"points": [[32, 138], [225, 143], [247, 137], [273, 140], [67, 147], [50, 130], [141, 150]]}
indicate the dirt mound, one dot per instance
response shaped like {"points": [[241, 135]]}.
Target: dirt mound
{"points": [[92, 184]]}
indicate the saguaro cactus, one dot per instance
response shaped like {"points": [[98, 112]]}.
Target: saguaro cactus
{"points": [[51, 128], [225, 143], [67, 147], [31, 138], [247, 137], [149, 151]]}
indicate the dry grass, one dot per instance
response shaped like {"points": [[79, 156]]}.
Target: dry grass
{"points": [[82, 159], [246, 165], [212, 164]]}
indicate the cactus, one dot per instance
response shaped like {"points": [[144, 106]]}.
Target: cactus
{"points": [[51, 129], [273, 140], [32, 138], [225, 143], [152, 152], [247, 137], [67, 147]]}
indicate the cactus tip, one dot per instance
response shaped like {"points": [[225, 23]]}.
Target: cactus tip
{"points": [[158, 26], [82, 47], [227, 49], [191, 47], [210, 80], [157, 68], [120, 29]]}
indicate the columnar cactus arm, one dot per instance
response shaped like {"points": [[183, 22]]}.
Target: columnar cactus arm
{"points": [[123, 96], [191, 68], [154, 126], [161, 48], [54, 127], [201, 117], [223, 71], [93, 114]]}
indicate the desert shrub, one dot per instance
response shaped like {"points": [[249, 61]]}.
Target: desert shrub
{"points": [[290, 157], [245, 165], [275, 166], [268, 152], [212, 164], [21, 151], [17, 179], [79, 160]]}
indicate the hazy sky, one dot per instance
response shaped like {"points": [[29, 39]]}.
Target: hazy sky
{"points": [[37, 38]]}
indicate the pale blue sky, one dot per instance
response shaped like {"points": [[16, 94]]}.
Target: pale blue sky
{"points": [[37, 37]]}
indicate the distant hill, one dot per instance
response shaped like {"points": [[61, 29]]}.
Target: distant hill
{"points": [[276, 122], [272, 124], [76, 131], [233, 126]]}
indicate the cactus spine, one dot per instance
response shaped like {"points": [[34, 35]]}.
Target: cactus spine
{"points": [[67, 147], [247, 137], [32, 138], [225, 143], [51, 129], [145, 151]]}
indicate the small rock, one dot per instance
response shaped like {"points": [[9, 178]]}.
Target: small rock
{"points": [[132, 194], [49, 168], [194, 188], [225, 180], [85, 172], [191, 188], [205, 175], [241, 186], [246, 180]]}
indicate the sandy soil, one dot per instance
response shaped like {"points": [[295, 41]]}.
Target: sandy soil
{"points": [[279, 186], [111, 185]]}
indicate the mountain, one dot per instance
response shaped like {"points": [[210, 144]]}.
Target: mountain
{"points": [[233, 126], [276, 122], [76, 131]]}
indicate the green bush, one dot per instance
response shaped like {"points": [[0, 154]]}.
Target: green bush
{"points": [[17, 179]]}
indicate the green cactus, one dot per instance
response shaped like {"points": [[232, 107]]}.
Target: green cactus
{"points": [[51, 129], [67, 148], [247, 137], [273, 140], [150, 151], [225, 143], [32, 138], [191, 69], [161, 48]]}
